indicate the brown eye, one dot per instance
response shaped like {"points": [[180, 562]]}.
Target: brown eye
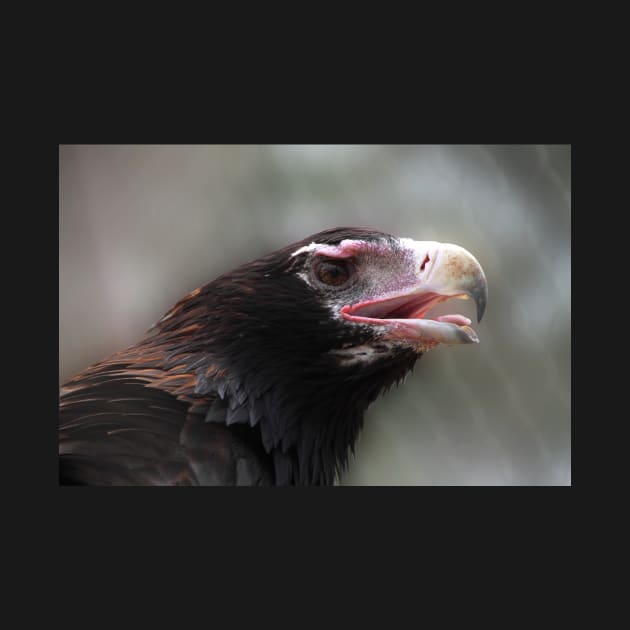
{"points": [[333, 273]]}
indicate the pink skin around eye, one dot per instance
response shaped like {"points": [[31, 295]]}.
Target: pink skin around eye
{"points": [[345, 249]]}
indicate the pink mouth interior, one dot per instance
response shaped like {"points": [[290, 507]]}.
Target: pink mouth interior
{"points": [[403, 307]]}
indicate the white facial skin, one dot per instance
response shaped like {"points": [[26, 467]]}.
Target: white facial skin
{"points": [[394, 285]]}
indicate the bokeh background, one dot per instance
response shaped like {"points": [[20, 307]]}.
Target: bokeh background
{"points": [[142, 225]]}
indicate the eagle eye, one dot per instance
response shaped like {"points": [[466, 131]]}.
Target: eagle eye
{"points": [[334, 273]]}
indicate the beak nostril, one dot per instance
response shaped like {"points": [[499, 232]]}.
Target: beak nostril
{"points": [[424, 262]]}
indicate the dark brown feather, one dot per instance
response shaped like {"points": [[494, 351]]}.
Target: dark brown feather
{"points": [[234, 385]]}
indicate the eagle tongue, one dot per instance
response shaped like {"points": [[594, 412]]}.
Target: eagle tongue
{"points": [[460, 320]]}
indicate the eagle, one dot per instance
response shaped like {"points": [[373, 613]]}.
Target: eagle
{"points": [[263, 376]]}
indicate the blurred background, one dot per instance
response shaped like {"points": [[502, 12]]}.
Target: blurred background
{"points": [[142, 225]]}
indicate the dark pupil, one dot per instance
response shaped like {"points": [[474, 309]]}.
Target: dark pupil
{"points": [[332, 273]]}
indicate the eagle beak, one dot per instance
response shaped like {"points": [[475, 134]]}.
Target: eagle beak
{"points": [[452, 271], [440, 272]]}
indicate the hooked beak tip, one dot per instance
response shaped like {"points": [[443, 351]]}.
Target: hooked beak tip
{"points": [[480, 295]]}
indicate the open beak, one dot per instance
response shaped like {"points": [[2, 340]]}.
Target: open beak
{"points": [[441, 271]]}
